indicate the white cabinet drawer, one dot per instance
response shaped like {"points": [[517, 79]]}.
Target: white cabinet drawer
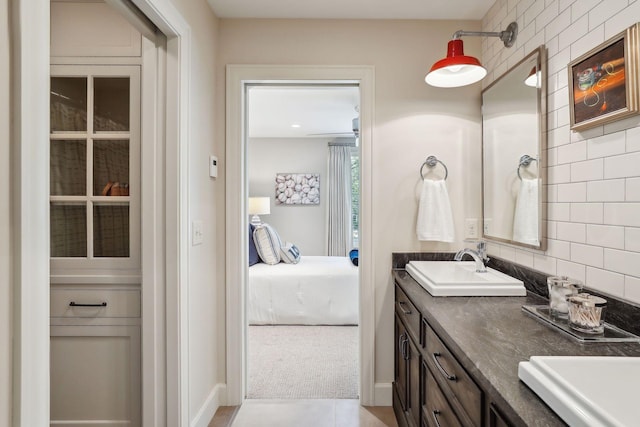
{"points": [[95, 303]]}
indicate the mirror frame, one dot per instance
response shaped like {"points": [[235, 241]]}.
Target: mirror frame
{"points": [[541, 53]]}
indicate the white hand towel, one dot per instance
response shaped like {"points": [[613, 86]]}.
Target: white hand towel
{"points": [[435, 220], [525, 220]]}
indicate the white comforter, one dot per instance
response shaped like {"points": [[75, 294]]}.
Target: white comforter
{"points": [[319, 290]]}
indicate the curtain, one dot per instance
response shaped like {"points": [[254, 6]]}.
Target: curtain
{"points": [[339, 195]]}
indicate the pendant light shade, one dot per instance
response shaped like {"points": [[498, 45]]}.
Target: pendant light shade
{"points": [[457, 69]]}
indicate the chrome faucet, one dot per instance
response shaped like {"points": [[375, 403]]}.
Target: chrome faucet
{"points": [[479, 256]]}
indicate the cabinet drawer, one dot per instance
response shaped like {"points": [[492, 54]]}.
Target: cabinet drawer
{"points": [[119, 303], [436, 410], [408, 313], [451, 375]]}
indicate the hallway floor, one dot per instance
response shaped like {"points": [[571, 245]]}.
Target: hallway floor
{"points": [[308, 413]]}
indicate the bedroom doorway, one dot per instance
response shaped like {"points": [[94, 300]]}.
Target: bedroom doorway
{"points": [[303, 196]]}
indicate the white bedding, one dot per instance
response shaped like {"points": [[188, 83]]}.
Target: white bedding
{"points": [[319, 290]]}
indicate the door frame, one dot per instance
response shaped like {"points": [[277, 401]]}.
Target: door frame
{"points": [[238, 77], [164, 349]]}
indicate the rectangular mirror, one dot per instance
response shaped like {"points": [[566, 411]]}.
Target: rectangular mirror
{"points": [[514, 116]]}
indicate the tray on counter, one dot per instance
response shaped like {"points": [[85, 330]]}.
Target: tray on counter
{"points": [[611, 333]]}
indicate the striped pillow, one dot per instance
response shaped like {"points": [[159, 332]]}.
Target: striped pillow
{"points": [[290, 253], [268, 243]]}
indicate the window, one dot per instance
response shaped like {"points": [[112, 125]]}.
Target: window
{"points": [[355, 196]]}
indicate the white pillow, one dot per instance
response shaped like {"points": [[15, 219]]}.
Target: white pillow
{"points": [[268, 243], [290, 253]]}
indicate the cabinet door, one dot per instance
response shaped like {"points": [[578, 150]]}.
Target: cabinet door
{"points": [[495, 419], [95, 376], [401, 355], [413, 392]]}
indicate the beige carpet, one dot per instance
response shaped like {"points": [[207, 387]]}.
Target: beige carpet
{"points": [[302, 362]]}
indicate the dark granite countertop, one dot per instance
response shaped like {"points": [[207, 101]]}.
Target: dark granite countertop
{"points": [[491, 335]]}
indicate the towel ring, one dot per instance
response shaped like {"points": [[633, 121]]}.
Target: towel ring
{"points": [[431, 162], [525, 161]]}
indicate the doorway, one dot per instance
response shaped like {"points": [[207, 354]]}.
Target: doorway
{"points": [[303, 180], [239, 78]]}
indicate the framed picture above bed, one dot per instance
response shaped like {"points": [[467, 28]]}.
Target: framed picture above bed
{"points": [[297, 189]]}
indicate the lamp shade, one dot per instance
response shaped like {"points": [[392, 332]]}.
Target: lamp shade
{"points": [[456, 69], [533, 79], [259, 206]]}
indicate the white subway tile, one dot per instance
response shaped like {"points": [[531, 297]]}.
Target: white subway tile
{"points": [[611, 190], [559, 174], [508, 253], [563, 115], [563, 82], [632, 289], [622, 262], [534, 10], [605, 10], [571, 269], [608, 236], [626, 165], [587, 134], [632, 239], [559, 249], [557, 25], [627, 214], [552, 47], [587, 171], [574, 152], [524, 258], [545, 264], [606, 145], [632, 189], [551, 228], [623, 19], [581, 7], [556, 101], [552, 157], [547, 15], [571, 232], [622, 125], [552, 193], [575, 31], [559, 61], [575, 192], [589, 213], [563, 4], [633, 139], [532, 43], [558, 211], [585, 43], [592, 256], [605, 281]]}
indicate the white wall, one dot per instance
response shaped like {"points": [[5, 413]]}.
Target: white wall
{"points": [[593, 195], [206, 262], [5, 224], [305, 226], [411, 122]]}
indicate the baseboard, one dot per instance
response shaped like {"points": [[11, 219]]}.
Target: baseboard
{"points": [[215, 399], [383, 394]]}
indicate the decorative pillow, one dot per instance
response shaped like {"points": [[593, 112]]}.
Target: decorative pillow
{"points": [[268, 243], [290, 253], [353, 255], [253, 252]]}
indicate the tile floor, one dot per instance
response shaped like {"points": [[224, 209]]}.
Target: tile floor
{"points": [[308, 413]]}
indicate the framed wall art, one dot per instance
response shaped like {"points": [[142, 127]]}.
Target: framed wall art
{"points": [[297, 189], [603, 83]]}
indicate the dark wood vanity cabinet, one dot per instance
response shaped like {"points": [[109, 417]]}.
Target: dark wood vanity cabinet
{"points": [[431, 387]]}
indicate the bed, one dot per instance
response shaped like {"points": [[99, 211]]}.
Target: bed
{"points": [[319, 290]]}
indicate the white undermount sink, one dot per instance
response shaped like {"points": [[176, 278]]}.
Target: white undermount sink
{"points": [[586, 391], [459, 278]]}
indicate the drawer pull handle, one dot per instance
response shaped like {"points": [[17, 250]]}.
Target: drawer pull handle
{"points": [[435, 417], [404, 311], [441, 369], [75, 304]]}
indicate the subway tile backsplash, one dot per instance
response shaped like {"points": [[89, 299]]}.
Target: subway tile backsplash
{"points": [[593, 192]]}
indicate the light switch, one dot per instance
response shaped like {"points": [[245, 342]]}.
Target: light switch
{"points": [[197, 233]]}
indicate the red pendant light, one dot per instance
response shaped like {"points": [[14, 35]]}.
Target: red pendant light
{"points": [[457, 69]]}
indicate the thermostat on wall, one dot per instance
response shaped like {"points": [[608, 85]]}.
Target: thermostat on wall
{"points": [[213, 166]]}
